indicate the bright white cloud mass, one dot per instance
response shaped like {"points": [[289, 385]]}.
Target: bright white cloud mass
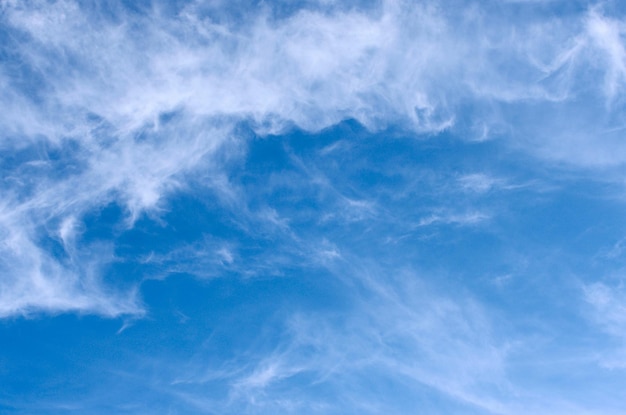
{"points": [[312, 207]]}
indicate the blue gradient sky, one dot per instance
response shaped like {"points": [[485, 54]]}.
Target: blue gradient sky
{"points": [[313, 207]]}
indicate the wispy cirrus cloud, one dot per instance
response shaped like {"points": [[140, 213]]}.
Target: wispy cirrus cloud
{"points": [[137, 99], [398, 199], [383, 65], [606, 311], [390, 338], [395, 342]]}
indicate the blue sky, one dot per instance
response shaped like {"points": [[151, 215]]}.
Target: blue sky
{"points": [[312, 207]]}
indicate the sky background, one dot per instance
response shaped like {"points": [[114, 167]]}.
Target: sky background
{"points": [[313, 207]]}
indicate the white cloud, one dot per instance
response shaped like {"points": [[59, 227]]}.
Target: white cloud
{"points": [[404, 62], [607, 311], [461, 219], [399, 333], [606, 33], [608, 306], [478, 182], [34, 281], [143, 101]]}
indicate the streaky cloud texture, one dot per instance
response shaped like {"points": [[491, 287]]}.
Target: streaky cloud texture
{"points": [[133, 99], [312, 207]]}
